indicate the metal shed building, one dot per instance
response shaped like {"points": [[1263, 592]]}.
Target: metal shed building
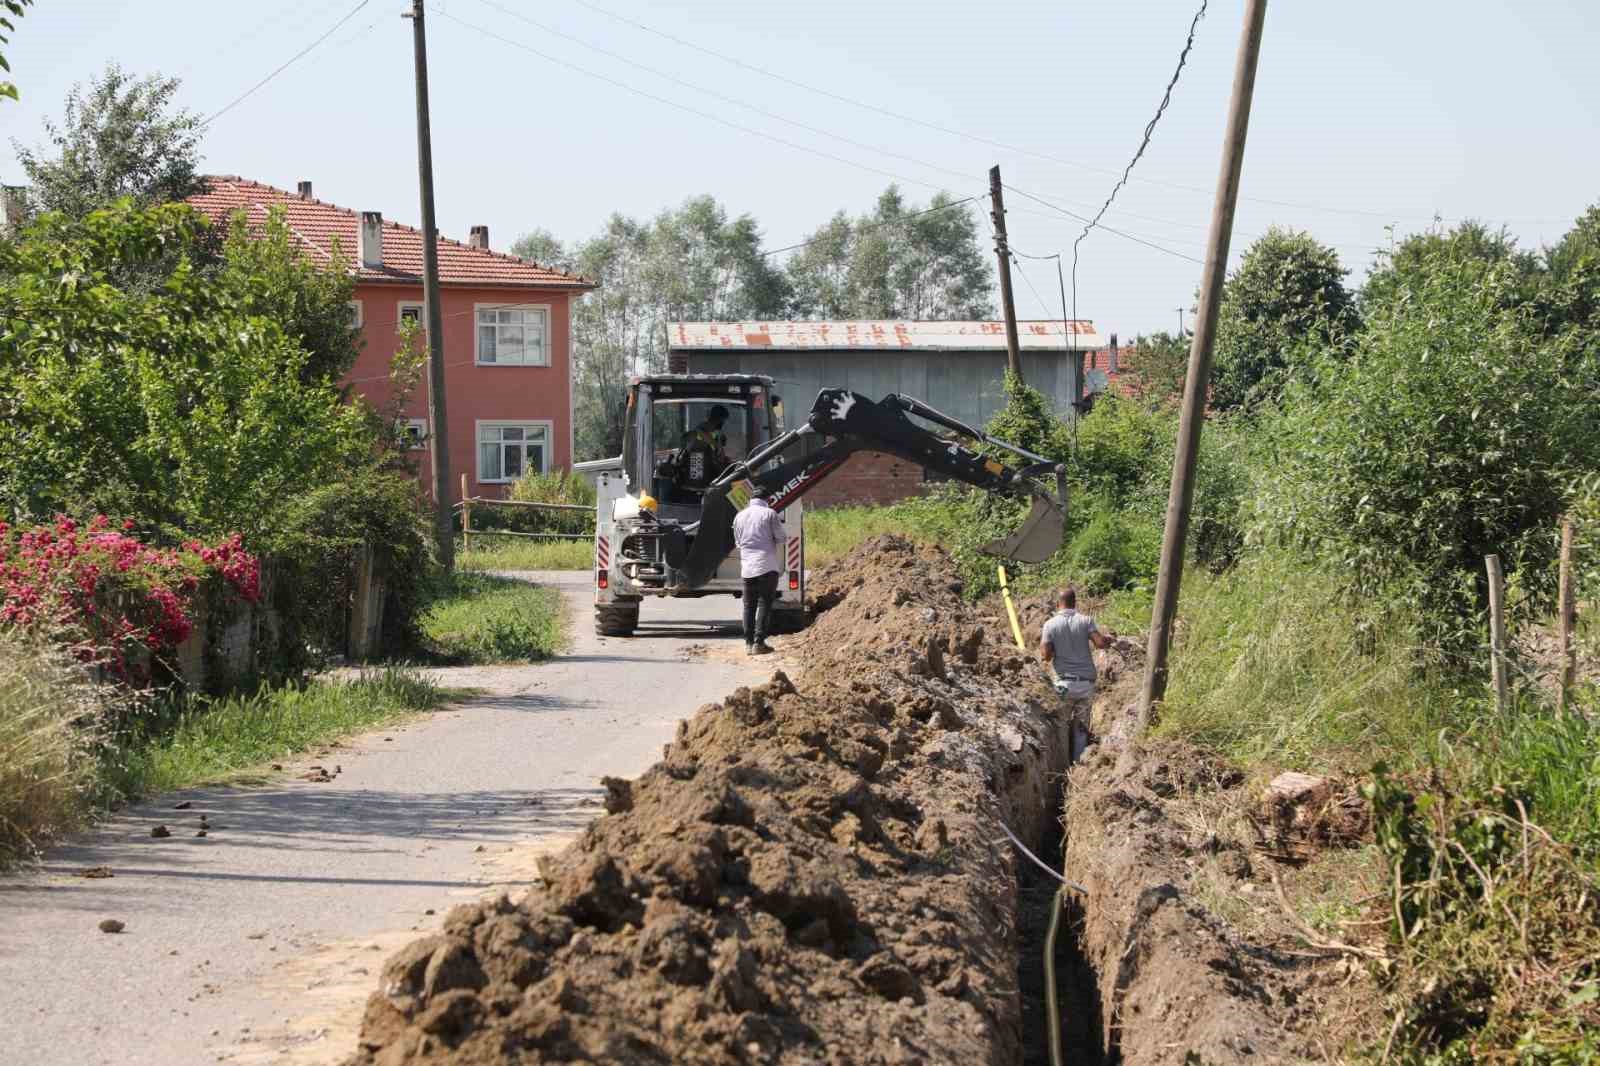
{"points": [[958, 367]]}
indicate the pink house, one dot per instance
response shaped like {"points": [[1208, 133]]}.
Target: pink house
{"points": [[507, 341]]}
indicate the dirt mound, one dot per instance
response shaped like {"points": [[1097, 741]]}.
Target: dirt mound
{"points": [[810, 874]]}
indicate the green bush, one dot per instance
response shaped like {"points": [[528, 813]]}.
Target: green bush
{"points": [[1113, 550], [1123, 448], [477, 618], [314, 548], [1027, 421], [1452, 433], [557, 486]]}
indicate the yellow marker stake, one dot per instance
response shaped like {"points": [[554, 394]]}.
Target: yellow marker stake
{"points": [[1011, 609]]}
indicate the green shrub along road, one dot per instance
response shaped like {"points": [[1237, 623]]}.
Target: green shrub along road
{"points": [[479, 618]]}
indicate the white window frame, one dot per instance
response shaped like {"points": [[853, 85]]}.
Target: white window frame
{"points": [[414, 431], [544, 345], [402, 306], [360, 314], [543, 425]]}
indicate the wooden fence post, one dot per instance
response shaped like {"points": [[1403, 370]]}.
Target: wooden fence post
{"points": [[1566, 611], [1497, 632], [361, 610], [466, 516]]}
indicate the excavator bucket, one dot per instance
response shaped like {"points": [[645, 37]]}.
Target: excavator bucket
{"points": [[1039, 536]]}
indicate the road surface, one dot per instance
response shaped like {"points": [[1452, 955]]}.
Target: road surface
{"points": [[261, 941]]}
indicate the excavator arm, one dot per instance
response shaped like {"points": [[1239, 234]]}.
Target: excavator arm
{"points": [[848, 423]]}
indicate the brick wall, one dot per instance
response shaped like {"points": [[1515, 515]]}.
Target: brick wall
{"points": [[868, 477]]}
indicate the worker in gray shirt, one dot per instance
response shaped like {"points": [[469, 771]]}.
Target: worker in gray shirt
{"points": [[1066, 645]]}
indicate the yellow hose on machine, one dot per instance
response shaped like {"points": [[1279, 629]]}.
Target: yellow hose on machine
{"points": [[1011, 610]]}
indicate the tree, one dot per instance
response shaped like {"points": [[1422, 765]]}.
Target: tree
{"points": [[689, 263], [1285, 302], [9, 10], [310, 302], [1454, 430], [1158, 368], [180, 406], [899, 261], [120, 136], [544, 248]]}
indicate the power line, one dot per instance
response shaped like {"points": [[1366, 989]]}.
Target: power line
{"points": [[753, 131], [242, 97], [1149, 131], [1144, 143], [646, 94], [1108, 229], [1018, 149]]}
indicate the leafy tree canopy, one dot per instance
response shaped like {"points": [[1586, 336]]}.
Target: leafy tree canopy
{"points": [[901, 260], [1453, 431], [1158, 368], [185, 406], [10, 10], [119, 136], [1286, 300]]}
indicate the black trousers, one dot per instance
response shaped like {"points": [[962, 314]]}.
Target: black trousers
{"points": [[758, 596]]}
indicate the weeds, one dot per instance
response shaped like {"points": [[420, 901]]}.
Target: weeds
{"points": [[490, 552], [196, 739], [51, 716], [478, 618]]}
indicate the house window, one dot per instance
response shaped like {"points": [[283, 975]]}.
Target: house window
{"points": [[507, 450], [513, 336], [410, 312], [357, 319], [413, 432]]}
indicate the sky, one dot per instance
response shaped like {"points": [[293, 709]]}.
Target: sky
{"points": [[1371, 117]]}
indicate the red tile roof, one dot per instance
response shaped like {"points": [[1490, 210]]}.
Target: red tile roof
{"points": [[317, 225]]}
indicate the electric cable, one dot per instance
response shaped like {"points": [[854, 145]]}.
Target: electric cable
{"points": [[764, 135], [242, 97], [1144, 142]]}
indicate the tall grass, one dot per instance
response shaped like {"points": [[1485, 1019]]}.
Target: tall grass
{"points": [[490, 552], [478, 618], [198, 739], [50, 717], [1272, 664]]}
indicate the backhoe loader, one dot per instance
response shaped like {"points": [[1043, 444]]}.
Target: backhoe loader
{"points": [[664, 525]]}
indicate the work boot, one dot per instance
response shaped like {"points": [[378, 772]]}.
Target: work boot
{"points": [[749, 649], [761, 648]]}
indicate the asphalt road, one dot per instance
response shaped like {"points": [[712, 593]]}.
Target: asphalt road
{"points": [[260, 942]]}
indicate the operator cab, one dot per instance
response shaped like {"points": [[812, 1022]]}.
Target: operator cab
{"points": [[682, 431]]}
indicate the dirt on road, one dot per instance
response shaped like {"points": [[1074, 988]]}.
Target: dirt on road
{"points": [[816, 871]]}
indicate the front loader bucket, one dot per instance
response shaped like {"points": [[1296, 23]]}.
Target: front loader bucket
{"points": [[1038, 538]]}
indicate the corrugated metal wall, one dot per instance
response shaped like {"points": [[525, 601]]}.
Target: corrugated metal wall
{"points": [[965, 385]]}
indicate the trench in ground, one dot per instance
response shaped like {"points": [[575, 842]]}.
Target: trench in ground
{"points": [[1077, 990]]}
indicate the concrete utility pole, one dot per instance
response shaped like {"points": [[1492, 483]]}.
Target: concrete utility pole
{"points": [[1180, 322], [438, 437], [1195, 390], [1003, 250]]}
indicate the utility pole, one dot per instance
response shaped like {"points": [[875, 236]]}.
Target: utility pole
{"points": [[1003, 250], [1180, 322], [438, 437], [1181, 496]]}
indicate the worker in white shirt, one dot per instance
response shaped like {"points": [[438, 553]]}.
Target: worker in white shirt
{"points": [[758, 532]]}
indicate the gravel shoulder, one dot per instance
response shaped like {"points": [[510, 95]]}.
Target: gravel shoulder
{"points": [[260, 941]]}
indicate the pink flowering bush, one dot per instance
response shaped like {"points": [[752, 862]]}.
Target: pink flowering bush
{"points": [[109, 597]]}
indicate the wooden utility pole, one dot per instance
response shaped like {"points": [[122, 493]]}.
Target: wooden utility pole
{"points": [[1181, 496], [438, 435], [1003, 250], [1566, 614], [1497, 632]]}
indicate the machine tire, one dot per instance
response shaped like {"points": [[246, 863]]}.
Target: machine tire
{"points": [[616, 619]]}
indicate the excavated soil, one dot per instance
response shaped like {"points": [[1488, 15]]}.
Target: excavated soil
{"points": [[816, 872]]}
